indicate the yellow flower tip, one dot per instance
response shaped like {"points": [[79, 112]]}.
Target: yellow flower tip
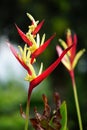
{"points": [[84, 50], [33, 75], [21, 50], [64, 45], [60, 40], [25, 54], [41, 69], [30, 77], [68, 32], [38, 40], [43, 39], [30, 17], [77, 57], [33, 20]]}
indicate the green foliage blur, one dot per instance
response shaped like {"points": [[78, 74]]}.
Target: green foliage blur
{"points": [[59, 15]]}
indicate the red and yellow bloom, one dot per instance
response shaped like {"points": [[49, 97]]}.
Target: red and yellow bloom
{"points": [[32, 49], [71, 58], [27, 57]]}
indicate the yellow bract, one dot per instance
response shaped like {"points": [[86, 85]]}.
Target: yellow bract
{"points": [[33, 75], [77, 57], [25, 54], [33, 20], [65, 60], [68, 32]]}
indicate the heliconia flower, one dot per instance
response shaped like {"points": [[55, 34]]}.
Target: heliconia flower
{"points": [[29, 38], [71, 58], [28, 55], [24, 36], [38, 50], [25, 60], [33, 30], [34, 47]]}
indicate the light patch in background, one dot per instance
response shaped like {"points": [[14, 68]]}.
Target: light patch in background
{"points": [[10, 68]]}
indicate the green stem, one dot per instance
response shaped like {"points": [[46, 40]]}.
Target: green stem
{"points": [[27, 110], [27, 116], [76, 100]]}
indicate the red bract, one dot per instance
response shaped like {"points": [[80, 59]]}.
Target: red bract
{"points": [[72, 39], [23, 36], [47, 72], [40, 50], [19, 58], [36, 30]]}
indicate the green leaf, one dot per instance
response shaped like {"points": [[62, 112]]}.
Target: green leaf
{"points": [[63, 111]]}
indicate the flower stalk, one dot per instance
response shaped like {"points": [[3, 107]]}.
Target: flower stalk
{"points": [[27, 111], [76, 99], [27, 115]]}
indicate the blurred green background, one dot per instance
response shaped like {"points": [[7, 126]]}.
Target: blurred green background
{"points": [[59, 15]]}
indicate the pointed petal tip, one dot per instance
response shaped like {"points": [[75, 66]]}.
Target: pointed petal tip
{"points": [[84, 50], [38, 27], [23, 36], [8, 44], [17, 27]]}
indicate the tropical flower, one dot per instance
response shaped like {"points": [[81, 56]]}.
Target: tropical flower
{"points": [[32, 49], [71, 58]]}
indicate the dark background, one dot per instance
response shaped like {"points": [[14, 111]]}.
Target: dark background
{"points": [[59, 15]]}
